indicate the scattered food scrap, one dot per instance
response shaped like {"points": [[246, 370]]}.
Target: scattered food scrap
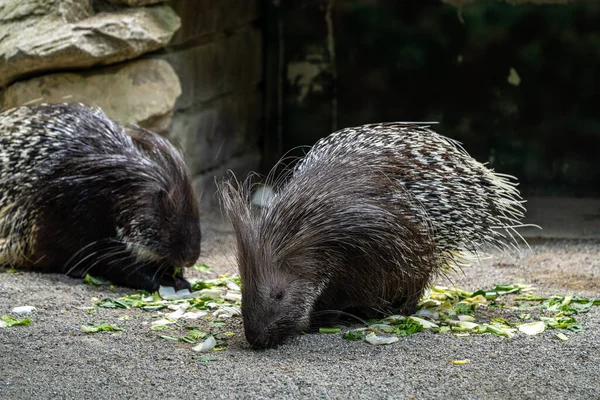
{"points": [[442, 310], [99, 327], [7, 321], [451, 310]]}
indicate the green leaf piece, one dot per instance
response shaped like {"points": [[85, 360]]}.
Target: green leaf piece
{"points": [[329, 330], [202, 267], [95, 281], [8, 321], [355, 334], [99, 327], [562, 336]]}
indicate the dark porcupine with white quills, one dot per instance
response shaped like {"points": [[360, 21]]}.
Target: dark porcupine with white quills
{"points": [[363, 223], [81, 194]]}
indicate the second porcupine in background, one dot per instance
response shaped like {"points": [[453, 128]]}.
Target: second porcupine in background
{"points": [[80, 194], [364, 223]]}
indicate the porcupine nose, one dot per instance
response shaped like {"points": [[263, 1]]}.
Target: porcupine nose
{"points": [[258, 337]]}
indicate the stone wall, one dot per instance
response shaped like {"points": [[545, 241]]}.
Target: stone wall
{"points": [[188, 69], [217, 54], [88, 51]]}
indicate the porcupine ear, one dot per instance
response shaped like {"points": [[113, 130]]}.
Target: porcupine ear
{"points": [[164, 153], [144, 139], [154, 145]]}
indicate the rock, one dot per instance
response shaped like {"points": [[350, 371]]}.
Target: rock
{"points": [[136, 3], [232, 63], [26, 13], [101, 39], [142, 92]]}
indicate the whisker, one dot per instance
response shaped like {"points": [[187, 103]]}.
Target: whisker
{"points": [[161, 267], [102, 258], [84, 248], [80, 262], [134, 266], [338, 313]]}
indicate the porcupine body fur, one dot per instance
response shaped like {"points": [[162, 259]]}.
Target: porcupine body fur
{"points": [[81, 194], [366, 220]]}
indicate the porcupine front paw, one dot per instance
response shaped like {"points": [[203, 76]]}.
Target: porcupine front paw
{"points": [[148, 277], [153, 281], [178, 282]]}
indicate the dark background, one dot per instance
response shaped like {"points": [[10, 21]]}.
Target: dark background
{"points": [[333, 64]]}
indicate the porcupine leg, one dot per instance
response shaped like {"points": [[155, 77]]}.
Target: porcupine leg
{"points": [[409, 300], [83, 250], [141, 275], [109, 263], [130, 273], [150, 278]]}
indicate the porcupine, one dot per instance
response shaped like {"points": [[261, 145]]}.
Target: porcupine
{"points": [[366, 220], [81, 194]]}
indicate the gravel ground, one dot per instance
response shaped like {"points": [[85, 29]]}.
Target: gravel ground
{"points": [[52, 358]]}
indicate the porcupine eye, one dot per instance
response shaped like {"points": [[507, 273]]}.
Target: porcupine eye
{"points": [[278, 296]]}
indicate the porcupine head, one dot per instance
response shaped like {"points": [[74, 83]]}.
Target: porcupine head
{"points": [[277, 298], [166, 220], [160, 224], [278, 304]]}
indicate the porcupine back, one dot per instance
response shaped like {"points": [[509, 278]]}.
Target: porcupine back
{"points": [[468, 206], [78, 194], [365, 221]]}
